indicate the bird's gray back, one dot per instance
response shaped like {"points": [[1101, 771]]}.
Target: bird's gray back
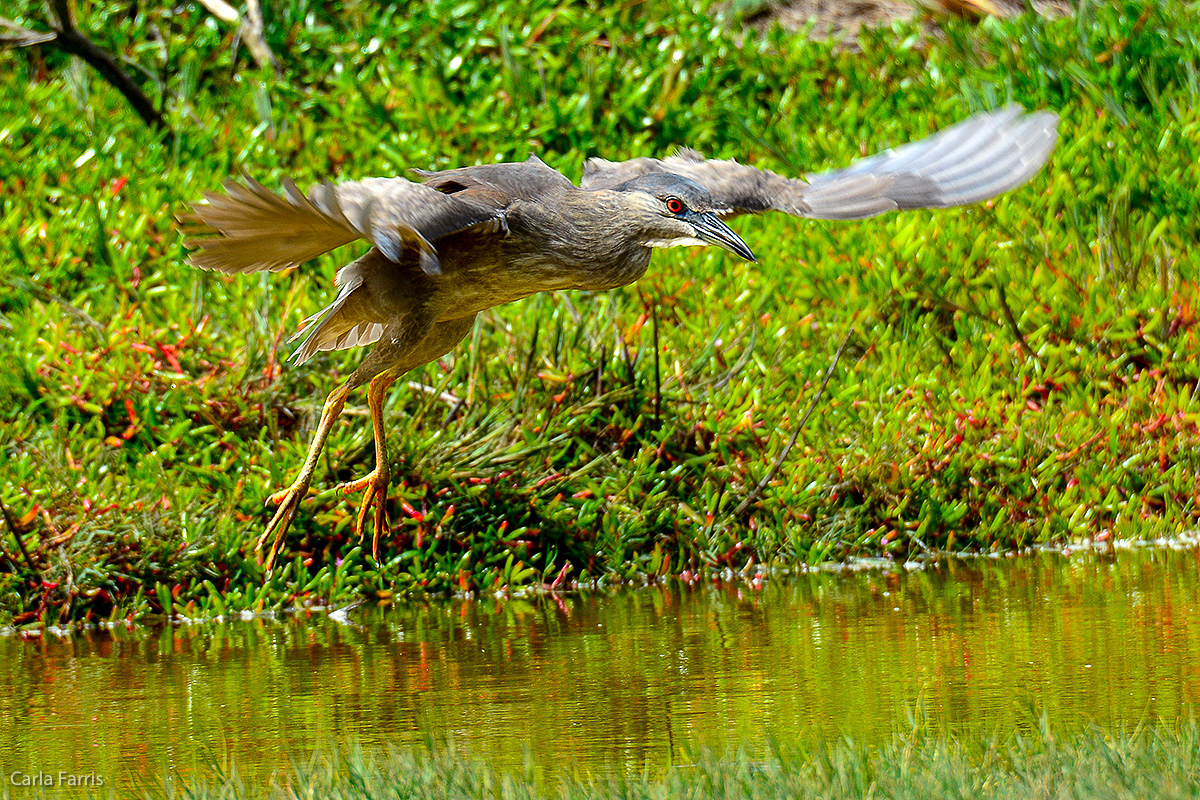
{"points": [[556, 237], [499, 185]]}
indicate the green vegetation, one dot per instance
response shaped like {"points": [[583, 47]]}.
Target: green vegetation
{"points": [[1161, 764], [1019, 373]]}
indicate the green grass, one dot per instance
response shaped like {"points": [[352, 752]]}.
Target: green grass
{"points": [[1017, 373], [1150, 763]]}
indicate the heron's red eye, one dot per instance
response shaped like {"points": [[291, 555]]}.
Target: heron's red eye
{"points": [[674, 205]]}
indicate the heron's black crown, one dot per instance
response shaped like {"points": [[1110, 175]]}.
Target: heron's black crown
{"points": [[665, 185]]}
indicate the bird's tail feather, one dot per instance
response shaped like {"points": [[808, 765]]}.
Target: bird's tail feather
{"points": [[332, 331], [350, 320]]}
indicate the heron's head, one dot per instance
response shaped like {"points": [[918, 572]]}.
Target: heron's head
{"points": [[675, 211]]}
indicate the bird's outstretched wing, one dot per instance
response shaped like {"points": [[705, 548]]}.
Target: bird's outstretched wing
{"points": [[257, 229], [978, 158]]}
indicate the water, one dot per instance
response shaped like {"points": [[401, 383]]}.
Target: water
{"points": [[624, 681]]}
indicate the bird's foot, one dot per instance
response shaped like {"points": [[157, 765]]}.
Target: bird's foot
{"points": [[288, 501], [375, 485]]}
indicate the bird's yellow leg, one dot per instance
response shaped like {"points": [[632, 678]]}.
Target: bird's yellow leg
{"points": [[376, 483], [289, 499]]}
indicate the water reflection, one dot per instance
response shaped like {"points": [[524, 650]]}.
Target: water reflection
{"points": [[624, 681]]}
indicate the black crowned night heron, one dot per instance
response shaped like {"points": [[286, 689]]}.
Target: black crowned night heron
{"points": [[457, 242]]}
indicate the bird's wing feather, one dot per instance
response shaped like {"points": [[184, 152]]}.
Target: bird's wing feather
{"points": [[974, 160], [257, 229]]}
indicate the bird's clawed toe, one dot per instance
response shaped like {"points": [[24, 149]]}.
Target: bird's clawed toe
{"points": [[288, 501], [375, 485]]}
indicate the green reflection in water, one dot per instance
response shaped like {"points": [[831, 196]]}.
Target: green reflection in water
{"points": [[600, 682]]}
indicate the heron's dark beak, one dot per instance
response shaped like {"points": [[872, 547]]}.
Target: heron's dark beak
{"points": [[709, 228]]}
